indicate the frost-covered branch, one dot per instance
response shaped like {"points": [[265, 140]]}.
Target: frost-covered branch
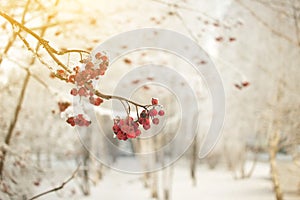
{"points": [[58, 187], [50, 50]]}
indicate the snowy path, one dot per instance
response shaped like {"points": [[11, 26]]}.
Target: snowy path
{"points": [[212, 185]]}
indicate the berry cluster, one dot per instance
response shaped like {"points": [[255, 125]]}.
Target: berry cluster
{"points": [[128, 128], [78, 120], [84, 77]]}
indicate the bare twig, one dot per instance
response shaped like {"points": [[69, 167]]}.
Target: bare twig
{"points": [[14, 34], [185, 7], [108, 97], [296, 20], [270, 5], [52, 25], [38, 56], [264, 23], [58, 187], [34, 76]]}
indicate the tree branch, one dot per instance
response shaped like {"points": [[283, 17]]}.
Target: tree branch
{"points": [[53, 52], [50, 50], [14, 35], [108, 97], [58, 187], [275, 32]]}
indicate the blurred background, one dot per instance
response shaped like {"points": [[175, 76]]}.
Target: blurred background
{"points": [[255, 46]]}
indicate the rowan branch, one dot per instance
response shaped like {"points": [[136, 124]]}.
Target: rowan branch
{"points": [[50, 50], [53, 52], [109, 97]]}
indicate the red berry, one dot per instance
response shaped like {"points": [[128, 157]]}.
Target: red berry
{"points": [[116, 128], [155, 121], [80, 116], [82, 92], [125, 136], [71, 79], [231, 39], [245, 83], [104, 58], [146, 126], [137, 132], [161, 113], [71, 121], [98, 55], [135, 125], [128, 120], [76, 69], [131, 134], [154, 101], [98, 101], [89, 65], [121, 123], [219, 39], [125, 128], [52, 75], [146, 122], [141, 120], [73, 92], [153, 112], [61, 72], [80, 122], [87, 123], [120, 135]]}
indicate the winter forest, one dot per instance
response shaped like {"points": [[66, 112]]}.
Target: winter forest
{"points": [[150, 99]]}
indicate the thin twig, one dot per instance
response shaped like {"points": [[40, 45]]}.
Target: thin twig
{"points": [[35, 53], [127, 110], [184, 7], [14, 34], [295, 17], [271, 7], [275, 32], [108, 97], [58, 187], [35, 77], [52, 25]]}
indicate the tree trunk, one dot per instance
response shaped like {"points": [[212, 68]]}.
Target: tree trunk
{"points": [[13, 124], [194, 161], [85, 185], [273, 149]]}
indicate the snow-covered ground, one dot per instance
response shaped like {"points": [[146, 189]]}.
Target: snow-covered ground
{"points": [[211, 185]]}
